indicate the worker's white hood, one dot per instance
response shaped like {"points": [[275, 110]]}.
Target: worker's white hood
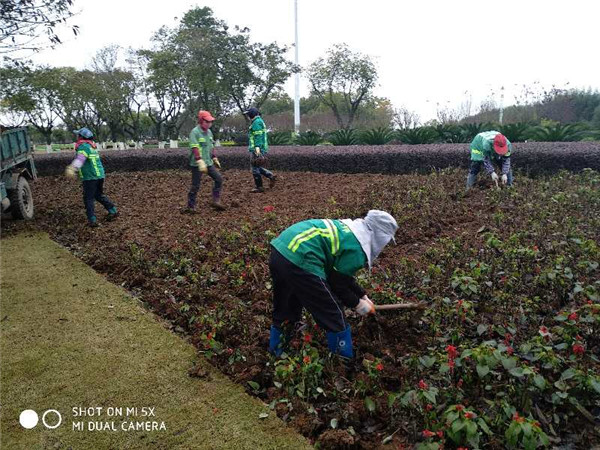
{"points": [[373, 232]]}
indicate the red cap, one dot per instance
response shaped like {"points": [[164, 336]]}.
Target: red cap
{"points": [[500, 145], [205, 115]]}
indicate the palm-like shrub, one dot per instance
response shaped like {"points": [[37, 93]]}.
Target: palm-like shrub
{"points": [[516, 132], [558, 133], [591, 135], [308, 138], [280, 138], [377, 136], [344, 137], [470, 130], [450, 134], [415, 136]]}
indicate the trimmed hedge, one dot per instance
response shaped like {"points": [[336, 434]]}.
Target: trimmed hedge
{"points": [[529, 157]]}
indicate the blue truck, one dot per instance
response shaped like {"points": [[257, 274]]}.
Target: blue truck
{"points": [[17, 169]]}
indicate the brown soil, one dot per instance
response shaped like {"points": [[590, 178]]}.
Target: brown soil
{"points": [[215, 263]]}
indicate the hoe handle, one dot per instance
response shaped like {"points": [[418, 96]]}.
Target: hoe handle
{"points": [[401, 306]]}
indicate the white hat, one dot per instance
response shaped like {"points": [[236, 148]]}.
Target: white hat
{"points": [[373, 232]]}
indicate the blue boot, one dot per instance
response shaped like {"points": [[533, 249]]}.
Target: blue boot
{"points": [[276, 341], [340, 343]]}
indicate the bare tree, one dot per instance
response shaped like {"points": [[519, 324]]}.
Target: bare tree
{"points": [[446, 115], [24, 22], [106, 59], [405, 119], [12, 118]]}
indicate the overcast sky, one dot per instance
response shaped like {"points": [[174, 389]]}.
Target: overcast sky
{"points": [[427, 52]]}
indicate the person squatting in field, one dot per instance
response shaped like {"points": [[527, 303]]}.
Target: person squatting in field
{"points": [[258, 147], [89, 165], [202, 159], [488, 147], [312, 266]]}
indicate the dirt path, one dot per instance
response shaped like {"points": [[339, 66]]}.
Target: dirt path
{"points": [[70, 339]]}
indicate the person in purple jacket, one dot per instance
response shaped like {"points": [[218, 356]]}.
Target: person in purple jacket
{"points": [[88, 164]]}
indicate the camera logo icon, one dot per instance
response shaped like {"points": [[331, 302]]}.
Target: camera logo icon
{"points": [[29, 419]]}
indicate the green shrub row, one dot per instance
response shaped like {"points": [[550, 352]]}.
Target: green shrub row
{"points": [[446, 134]]}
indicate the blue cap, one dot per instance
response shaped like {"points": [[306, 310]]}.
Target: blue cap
{"points": [[84, 133]]}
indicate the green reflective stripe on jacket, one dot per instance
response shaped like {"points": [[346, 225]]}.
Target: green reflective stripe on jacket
{"points": [[330, 232], [333, 235], [95, 160], [302, 237]]}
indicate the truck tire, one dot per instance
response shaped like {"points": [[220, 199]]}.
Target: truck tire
{"points": [[21, 200]]}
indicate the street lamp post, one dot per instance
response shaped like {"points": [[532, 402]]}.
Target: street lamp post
{"points": [[296, 75], [501, 115]]}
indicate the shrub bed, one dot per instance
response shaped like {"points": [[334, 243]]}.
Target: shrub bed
{"points": [[505, 356], [532, 158]]}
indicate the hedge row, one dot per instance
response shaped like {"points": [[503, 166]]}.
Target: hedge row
{"points": [[531, 157]]}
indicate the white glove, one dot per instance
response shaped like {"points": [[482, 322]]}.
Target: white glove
{"points": [[504, 179], [257, 151], [495, 177], [365, 306], [202, 166], [70, 171]]}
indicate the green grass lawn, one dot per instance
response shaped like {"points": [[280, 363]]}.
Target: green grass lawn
{"points": [[70, 339]]}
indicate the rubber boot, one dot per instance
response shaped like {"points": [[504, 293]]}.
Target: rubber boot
{"points": [[113, 213], [276, 341], [340, 343]]}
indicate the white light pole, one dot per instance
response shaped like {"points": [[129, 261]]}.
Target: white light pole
{"points": [[501, 116], [296, 75]]}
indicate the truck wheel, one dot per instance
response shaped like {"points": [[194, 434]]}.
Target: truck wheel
{"points": [[21, 200]]}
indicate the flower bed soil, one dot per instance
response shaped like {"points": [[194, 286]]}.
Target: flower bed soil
{"points": [[491, 265]]}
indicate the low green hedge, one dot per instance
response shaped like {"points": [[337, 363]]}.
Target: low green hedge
{"points": [[531, 157]]}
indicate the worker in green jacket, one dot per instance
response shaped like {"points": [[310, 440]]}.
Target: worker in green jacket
{"points": [[258, 146], [312, 265], [91, 172], [202, 159], [488, 147]]}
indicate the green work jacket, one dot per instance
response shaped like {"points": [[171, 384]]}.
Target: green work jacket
{"points": [[321, 246], [482, 146], [204, 142], [257, 136], [92, 168]]}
